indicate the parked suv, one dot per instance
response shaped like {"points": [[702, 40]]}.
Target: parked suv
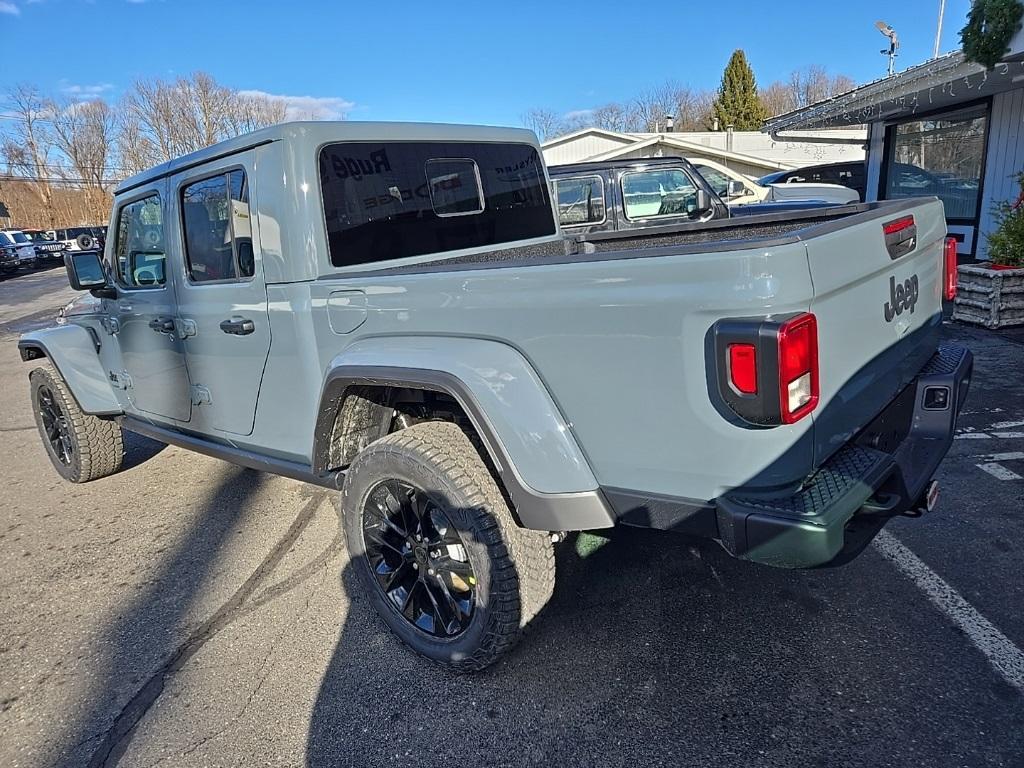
{"points": [[48, 249], [80, 238], [390, 311], [23, 247], [9, 261]]}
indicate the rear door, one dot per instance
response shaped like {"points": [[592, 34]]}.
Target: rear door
{"points": [[223, 299], [878, 300]]}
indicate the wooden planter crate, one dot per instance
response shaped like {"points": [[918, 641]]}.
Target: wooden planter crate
{"points": [[993, 298]]}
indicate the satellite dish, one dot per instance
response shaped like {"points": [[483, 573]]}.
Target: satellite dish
{"points": [[885, 29]]}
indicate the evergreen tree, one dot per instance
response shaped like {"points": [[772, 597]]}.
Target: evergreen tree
{"points": [[737, 103]]}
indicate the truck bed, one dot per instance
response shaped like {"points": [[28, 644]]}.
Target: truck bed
{"points": [[698, 237]]}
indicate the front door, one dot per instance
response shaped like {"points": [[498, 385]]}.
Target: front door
{"points": [[223, 298], [152, 370]]}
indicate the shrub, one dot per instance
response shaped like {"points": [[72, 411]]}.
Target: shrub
{"points": [[1006, 243]]}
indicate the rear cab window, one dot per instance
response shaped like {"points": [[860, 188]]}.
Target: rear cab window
{"points": [[392, 201], [139, 255], [580, 200], [658, 193]]}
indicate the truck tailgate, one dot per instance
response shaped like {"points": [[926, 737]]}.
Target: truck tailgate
{"points": [[878, 302]]}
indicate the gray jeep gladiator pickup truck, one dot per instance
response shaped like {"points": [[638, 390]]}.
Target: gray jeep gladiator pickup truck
{"points": [[390, 310]]}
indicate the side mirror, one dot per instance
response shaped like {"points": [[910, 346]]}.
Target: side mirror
{"points": [[736, 188], [85, 273], [703, 202]]}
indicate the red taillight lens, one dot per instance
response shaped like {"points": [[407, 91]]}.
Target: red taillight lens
{"points": [[898, 225], [949, 283], [798, 367], [743, 368]]}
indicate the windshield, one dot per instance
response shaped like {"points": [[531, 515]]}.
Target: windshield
{"points": [[5, 239], [19, 237]]}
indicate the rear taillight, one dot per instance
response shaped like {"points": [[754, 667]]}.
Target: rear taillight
{"points": [[949, 273], [798, 367], [767, 367], [743, 368]]}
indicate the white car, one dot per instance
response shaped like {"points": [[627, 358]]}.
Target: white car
{"points": [[737, 189], [23, 247]]}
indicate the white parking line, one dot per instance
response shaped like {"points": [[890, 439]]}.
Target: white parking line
{"points": [[1002, 654], [1009, 435], [1007, 424], [972, 436], [998, 471], [1011, 456]]}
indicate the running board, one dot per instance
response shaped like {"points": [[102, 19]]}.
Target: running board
{"points": [[233, 455]]}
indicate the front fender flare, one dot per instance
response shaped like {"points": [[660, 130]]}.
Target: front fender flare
{"points": [[532, 447], [72, 351]]}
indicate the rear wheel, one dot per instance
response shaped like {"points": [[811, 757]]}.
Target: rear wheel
{"points": [[434, 545], [80, 446]]}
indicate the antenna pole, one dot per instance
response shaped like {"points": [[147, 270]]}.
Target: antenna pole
{"points": [[938, 30]]}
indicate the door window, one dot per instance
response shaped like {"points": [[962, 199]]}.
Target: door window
{"points": [[651, 194], [580, 200], [139, 256], [218, 229]]}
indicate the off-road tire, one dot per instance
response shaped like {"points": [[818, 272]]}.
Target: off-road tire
{"points": [[515, 567], [97, 445]]}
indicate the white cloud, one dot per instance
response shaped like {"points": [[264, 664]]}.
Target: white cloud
{"points": [[77, 91], [9, 8], [307, 107], [579, 114]]}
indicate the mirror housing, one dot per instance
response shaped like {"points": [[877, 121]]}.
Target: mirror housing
{"points": [[86, 273], [736, 188], [704, 203]]}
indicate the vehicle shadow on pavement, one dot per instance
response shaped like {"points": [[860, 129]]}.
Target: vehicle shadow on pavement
{"points": [[659, 650], [138, 450], [146, 633]]}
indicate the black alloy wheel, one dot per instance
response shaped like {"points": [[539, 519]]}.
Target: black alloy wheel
{"points": [[418, 560], [55, 426]]}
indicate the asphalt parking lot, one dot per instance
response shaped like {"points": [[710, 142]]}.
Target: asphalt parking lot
{"points": [[186, 612]]}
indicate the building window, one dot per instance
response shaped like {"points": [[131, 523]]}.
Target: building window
{"points": [[580, 200], [942, 156], [386, 201], [651, 194], [218, 233]]}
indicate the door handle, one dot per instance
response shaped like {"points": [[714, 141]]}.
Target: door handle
{"points": [[238, 326], [162, 324]]}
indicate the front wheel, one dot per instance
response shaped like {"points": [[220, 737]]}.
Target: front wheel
{"points": [[81, 447], [433, 543]]}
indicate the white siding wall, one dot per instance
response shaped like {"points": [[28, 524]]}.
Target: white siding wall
{"points": [[1005, 157], [582, 148]]}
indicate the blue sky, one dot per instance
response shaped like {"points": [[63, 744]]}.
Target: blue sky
{"points": [[446, 61]]}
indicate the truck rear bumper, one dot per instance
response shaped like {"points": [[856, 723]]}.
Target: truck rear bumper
{"points": [[883, 472]]}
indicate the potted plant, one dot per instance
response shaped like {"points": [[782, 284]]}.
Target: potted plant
{"points": [[992, 293]]}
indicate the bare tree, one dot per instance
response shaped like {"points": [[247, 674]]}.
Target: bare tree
{"points": [[544, 122], [804, 86], [162, 120], [84, 132], [27, 150]]}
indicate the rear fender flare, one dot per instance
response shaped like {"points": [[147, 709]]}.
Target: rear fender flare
{"points": [[549, 480]]}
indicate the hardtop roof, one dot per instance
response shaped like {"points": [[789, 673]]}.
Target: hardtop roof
{"points": [[308, 136]]}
